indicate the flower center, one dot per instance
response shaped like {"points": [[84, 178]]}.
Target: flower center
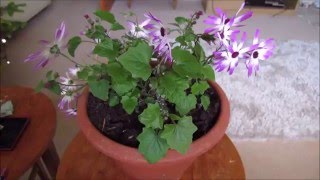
{"points": [[235, 54], [226, 21], [222, 35], [162, 31], [54, 49], [255, 54]]}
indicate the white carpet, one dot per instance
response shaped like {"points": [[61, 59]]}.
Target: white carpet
{"points": [[283, 101]]}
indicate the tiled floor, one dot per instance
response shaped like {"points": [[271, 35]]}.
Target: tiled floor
{"points": [[273, 159]]}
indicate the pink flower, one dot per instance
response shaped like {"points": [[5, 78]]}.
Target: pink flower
{"points": [[260, 51], [49, 50], [229, 58]]}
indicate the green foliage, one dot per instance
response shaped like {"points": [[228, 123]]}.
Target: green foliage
{"points": [[151, 117], [99, 88], [136, 60], [186, 64], [208, 72], [106, 16], [136, 78], [116, 26], [152, 146], [205, 101], [181, 20], [73, 44], [185, 103], [179, 135], [8, 27], [107, 48], [199, 87], [40, 86], [172, 84], [129, 103]]}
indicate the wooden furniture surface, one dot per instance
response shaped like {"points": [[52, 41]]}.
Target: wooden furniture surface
{"points": [[82, 161], [36, 140]]}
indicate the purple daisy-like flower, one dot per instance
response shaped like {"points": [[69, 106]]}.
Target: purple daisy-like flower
{"points": [[140, 30], [71, 112], [261, 51], [68, 84], [229, 58], [221, 22], [68, 97], [161, 44], [49, 50]]}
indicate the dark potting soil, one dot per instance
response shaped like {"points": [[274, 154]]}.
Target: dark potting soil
{"points": [[117, 125]]}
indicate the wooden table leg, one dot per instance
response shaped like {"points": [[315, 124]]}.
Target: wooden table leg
{"points": [[129, 3], [39, 169], [51, 159]]}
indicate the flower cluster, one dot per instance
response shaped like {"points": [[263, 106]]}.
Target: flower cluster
{"points": [[148, 73], [230, 51]]}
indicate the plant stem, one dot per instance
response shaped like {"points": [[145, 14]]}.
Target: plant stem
{"points": [[89, 41], [71, 60]]}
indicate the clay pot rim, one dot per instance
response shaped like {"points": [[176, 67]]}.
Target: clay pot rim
{"points": [[125, 153]]}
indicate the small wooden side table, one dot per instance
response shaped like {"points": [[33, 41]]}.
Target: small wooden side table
{"points": [[35, 146], [82, 161]]}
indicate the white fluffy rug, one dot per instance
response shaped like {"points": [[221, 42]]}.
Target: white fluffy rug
{"points": [[282, 101]]}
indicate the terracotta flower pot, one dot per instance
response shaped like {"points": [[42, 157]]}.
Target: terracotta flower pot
{"points": [[134, 164]]}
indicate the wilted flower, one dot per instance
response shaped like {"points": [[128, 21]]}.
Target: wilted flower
{"points": [[50, 50], [261, 51]]}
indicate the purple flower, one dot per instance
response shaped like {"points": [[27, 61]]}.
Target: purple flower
{"points": [[49, 50], [71, 112], [260, 51], [140, 30], [68, 84], [229, 58], [222, 23], [68, 97], [152, 17], [161, 44]]}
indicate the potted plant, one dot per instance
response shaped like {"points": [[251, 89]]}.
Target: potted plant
{"points": [[150, 102]]}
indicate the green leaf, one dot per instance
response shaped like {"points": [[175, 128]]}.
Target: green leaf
{"points": [[73, 44], [174, 117], [113, 99], [99, 88], [199, 87], [179, 136], [208, 72], [185, 103], [171, 84], [198, 50], [186, 64], [181, 20], [116, 26], [152, 146], [181, 40], [107, 48], [40, 86], [190, 37], [151, 116], [136, 60], [122, 82], [129, 103], [106, 16], [54, 87], [205, 101], [84, 73]]}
